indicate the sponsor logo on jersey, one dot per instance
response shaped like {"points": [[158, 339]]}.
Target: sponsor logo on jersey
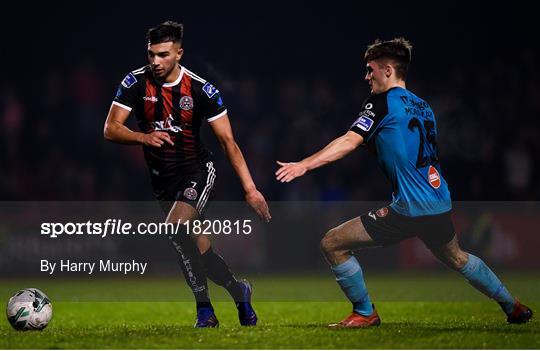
{"points": [[367, 113], [382, 212], [372, 215], [190, 194], [210, 90], [186, 103], [129, 80], [434, 178], [369, 106], [364, 123], [166, 126], [150, 98]]}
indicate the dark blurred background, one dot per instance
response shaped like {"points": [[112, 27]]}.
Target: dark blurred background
{"points": [[291, 75]]}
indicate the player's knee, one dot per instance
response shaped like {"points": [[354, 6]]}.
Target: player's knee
{"points": [[461, 260], [456, 260], [203, 243], [329, 241]]}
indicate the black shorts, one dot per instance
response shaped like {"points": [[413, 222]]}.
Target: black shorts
{"points": [[195, 188], [387, 227]]}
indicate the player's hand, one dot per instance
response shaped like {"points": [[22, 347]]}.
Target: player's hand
{"points": [[290, 170], [157, 139], [257, 202]]}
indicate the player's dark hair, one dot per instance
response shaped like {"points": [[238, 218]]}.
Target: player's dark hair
{"points": [[166, 31], [398, 50]]}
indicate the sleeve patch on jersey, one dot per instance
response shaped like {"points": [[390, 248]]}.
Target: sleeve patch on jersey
{"points": [[364, 123], [129, 80], [210, 90]]}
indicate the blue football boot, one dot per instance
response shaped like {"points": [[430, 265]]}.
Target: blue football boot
{"points": [[246, 313], [206, 318]]}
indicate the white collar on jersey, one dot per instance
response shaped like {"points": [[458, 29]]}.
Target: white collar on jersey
{"points": [[172, 84]]}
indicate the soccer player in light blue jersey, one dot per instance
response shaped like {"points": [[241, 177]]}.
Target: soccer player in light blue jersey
{"points": [[400, 129]]}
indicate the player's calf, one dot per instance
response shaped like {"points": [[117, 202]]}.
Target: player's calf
{"points": [[336, 246]]}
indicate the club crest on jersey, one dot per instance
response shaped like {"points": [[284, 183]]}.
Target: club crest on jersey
{"points": [[364, 123], [186, 103], [210, 90], [434, 178], [129, 80], [190, 194], [382, 212]]}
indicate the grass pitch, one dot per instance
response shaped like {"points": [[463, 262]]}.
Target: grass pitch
{"points": [[434, 312]]}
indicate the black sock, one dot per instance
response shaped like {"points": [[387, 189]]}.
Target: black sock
{"points": [[218, 271], [192, 267]]}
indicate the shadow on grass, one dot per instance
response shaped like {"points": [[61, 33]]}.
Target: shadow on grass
{"points": [[416, 328]]}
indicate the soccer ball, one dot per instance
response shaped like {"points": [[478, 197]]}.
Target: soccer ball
{"points": [[29, 309]]}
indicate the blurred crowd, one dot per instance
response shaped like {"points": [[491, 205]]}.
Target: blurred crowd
{"points": [[52, 145]]}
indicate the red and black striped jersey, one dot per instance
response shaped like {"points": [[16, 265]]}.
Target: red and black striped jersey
{"points": [[178, 108]]}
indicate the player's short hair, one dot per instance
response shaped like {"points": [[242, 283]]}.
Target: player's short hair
{"points": [[398, 50], [166, 31]]}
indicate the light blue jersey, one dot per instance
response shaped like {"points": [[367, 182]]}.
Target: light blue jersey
{"points": [[400, 129]]}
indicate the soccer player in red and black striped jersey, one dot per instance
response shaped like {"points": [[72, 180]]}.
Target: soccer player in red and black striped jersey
{"points": [[170, 104]]}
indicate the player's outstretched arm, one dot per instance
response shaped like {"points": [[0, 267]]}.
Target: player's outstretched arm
{"points": [[223, 131], [336, 150], [115, 130]]}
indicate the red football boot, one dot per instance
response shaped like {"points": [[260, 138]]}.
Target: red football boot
{"points": [[356, 320], [520, 314]]}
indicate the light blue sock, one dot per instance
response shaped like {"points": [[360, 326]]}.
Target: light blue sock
{"points": [[351, 280], [482, 278]]}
